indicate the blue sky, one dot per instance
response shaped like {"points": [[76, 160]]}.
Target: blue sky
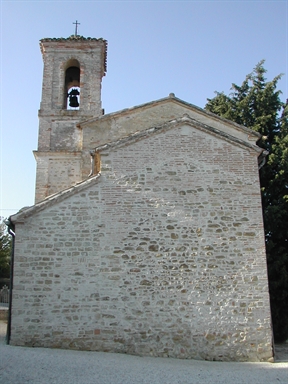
{"points": [[191, 48]]}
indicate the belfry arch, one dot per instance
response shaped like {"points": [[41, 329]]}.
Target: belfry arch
{"points": [[72, 85]]}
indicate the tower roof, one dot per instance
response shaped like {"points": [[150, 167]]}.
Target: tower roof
{"points": [[72, 37]]}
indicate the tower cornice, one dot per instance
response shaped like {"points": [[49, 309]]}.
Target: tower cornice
{"points": [[74, 39]]}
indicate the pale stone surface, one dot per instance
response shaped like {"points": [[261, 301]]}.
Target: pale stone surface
{"points": [[163, 255], [160, 254]]}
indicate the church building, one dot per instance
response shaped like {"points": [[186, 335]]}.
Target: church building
{"points": [[146, 236]]}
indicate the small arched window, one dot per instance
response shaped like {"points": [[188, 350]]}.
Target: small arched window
{"points": [[72, 85]]}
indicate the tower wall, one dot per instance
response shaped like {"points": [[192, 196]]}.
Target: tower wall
{"points": [[59, 137]]}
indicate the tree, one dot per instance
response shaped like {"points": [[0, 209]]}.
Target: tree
{"points": [[5, 251], [256, 104]]}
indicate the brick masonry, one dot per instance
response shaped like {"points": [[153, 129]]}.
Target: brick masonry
{"points": [[58, 131], [161, 255]]}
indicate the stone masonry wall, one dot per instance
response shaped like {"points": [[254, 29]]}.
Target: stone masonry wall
{"points": [[164, 256], [55, 172]]}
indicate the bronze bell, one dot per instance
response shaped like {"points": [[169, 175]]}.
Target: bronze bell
{"points": [[73, 102], [73, 99]]}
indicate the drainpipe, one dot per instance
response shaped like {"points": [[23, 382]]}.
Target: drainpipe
{"points": [[11, 231]]}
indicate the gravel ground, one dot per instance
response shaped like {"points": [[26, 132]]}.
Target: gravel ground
{"points": [[20, 365]]}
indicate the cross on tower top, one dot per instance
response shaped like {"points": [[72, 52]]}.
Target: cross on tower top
{"points": [[76, 27]]}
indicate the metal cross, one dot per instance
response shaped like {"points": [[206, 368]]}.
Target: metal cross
{"points": [[76, 27]]}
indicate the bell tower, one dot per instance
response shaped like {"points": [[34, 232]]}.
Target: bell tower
{"points": [[71, 92]]}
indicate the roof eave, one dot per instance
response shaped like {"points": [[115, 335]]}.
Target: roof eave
{"points": [[59, 196]]}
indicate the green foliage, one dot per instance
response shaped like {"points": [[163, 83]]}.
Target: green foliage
{"points": [[5, 251], [256, 104]]}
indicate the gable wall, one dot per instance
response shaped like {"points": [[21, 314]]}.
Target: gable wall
{"points": [[114, 126], [163, 256]]}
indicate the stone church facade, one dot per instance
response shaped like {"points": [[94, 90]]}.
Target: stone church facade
{"points": [[147, 234]]}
